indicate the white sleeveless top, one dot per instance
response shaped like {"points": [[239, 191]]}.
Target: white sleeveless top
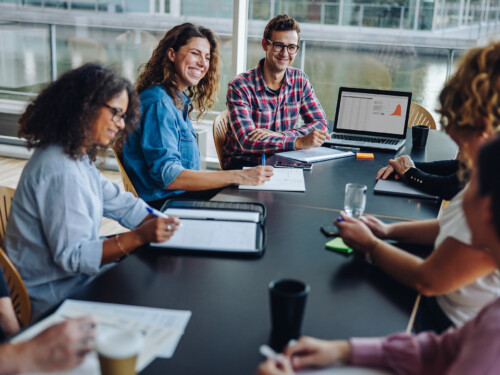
{"points": [[463, 304]]}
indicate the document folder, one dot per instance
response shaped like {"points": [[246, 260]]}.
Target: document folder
{"points": [[393, 187], [217, 227]]}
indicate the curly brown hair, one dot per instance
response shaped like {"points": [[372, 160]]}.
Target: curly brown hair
{"points": [[473, 92], [159, 70], [281, 22], [65, 111]]}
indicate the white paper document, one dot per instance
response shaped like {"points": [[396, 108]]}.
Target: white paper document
{"points": [[161, 329], [315, 154], [215, 235], [283, 179]]}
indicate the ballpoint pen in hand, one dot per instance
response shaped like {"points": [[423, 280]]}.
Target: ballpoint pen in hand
{"points": [[268, 352], [156, 213], [263, 159]]}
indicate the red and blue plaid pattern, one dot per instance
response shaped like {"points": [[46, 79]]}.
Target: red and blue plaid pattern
{"points": [[251, 105]]}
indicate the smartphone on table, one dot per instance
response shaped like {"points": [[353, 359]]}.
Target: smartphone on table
{"points": [[293, 164], [330, 230]]}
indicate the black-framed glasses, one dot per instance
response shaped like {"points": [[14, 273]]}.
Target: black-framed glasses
{"points": [[278, 47], [117, 114]]}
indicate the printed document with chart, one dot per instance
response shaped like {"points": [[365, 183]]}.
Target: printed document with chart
{"points": [[283, 179]]}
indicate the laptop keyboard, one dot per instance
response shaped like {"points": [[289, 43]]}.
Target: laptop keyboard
{"points": [[360, 138]]}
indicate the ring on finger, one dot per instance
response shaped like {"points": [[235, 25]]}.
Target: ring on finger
{"points": [[169, 227]]}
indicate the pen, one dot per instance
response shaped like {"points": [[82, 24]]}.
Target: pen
{"points": [[263, 162], [346, 148], [268, 352], [156, 213]]}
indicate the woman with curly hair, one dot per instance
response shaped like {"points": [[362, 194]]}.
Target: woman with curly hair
{"points": [[52, 233], [462, 278], [471, 349], [161, 157]]}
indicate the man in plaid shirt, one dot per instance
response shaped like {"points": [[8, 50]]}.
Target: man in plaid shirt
{"points": [[264, 103]]}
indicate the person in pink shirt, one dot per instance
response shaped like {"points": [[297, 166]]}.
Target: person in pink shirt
{"points": [[471, 349]]}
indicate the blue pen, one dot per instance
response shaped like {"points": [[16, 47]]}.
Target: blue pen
{"points": [[156, 213], [263, 162], [339, 219]]}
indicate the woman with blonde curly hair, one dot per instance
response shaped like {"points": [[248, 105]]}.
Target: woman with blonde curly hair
{"points": [[458, 278], [471, 349], [162, 157]]}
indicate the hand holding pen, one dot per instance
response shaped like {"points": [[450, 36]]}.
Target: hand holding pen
{"points": [[157, 227], [276, 364]]}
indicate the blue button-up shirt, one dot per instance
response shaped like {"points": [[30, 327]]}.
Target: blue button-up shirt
{"points": [[52, 234], [163, 145]]}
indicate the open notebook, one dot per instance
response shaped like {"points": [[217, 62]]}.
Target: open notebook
{"points": [[221, 227]]}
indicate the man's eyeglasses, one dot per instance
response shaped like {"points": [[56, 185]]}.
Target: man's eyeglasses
{"points": [[278, 47], [117, 114]]}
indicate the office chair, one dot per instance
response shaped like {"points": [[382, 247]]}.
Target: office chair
{"points": [[219, 132], [18, 292], [6, 195], [127, 184], [420, 116]]}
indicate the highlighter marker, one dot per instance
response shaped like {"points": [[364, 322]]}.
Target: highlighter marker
{"points": [[364, 155]]}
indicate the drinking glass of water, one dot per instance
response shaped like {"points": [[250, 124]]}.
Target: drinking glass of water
{"points": [[355, 200]]}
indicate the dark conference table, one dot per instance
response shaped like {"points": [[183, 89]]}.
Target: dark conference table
{"points": [[228, 296]]}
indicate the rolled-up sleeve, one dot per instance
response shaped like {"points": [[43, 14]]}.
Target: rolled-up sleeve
{"points": [[68, 223], [241, 123], [121, 206], [311, 111], [159, 142]]}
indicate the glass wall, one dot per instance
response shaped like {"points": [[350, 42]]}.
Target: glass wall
{"points": [[27, 61]]}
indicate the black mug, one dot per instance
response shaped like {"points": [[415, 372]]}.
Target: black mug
{"points": [[288, 301], [419, 135]]}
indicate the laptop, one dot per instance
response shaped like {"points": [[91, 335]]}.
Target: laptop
{"points": [[376, 119]]}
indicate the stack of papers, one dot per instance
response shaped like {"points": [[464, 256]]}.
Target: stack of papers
{"points": [[161, 329], [316, 154], [283, 179]]}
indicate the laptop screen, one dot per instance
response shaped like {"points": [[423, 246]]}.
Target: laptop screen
{"points": [[375, 112]]}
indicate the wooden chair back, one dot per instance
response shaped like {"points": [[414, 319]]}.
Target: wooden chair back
{"points": [[6, 195], [18, 292], [219, 131], [127, 184], [420, 116]]}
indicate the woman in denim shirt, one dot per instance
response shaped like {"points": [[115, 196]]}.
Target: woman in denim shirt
{"points": [[162, 157], [52, 233]]}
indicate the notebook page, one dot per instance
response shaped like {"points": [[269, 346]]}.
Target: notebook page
{"points": [[213, 214], [283, 179], [195, 234]]}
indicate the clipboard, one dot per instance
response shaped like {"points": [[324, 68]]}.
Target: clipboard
{"points": [[214, 227], [393, 187]]}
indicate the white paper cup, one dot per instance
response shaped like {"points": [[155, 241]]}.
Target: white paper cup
{"points": [[118, 351]]}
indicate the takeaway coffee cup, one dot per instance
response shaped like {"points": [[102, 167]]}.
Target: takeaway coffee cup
{"points": [[419, 135], [288, 301], [118, 350]]}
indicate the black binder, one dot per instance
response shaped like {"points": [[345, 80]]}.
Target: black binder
{"points": [[214, 227]]}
